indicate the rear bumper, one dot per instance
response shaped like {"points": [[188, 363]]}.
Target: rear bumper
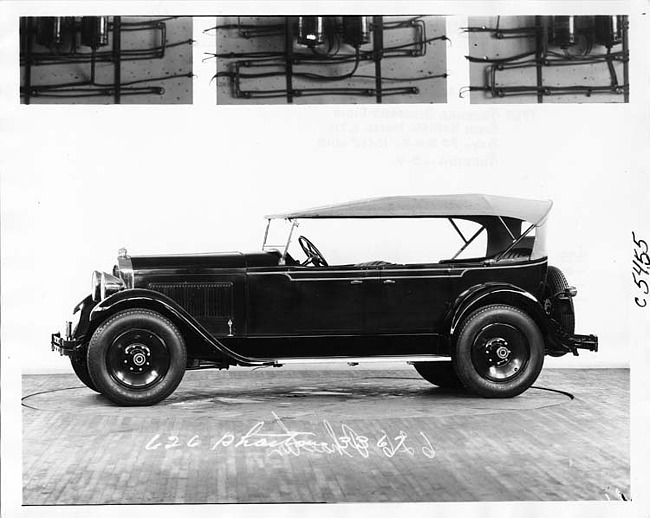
{"points": [[565, 343], [589, 342], [65, 346]]}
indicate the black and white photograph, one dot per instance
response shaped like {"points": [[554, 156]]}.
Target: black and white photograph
{"points": [[106, 59], [545, 59], [331, 59], [314, 274]]}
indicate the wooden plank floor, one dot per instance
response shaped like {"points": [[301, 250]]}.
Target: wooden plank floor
{"points": [[327, 436]]}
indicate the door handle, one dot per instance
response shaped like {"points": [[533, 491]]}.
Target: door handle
{"points": [[356, 281], [389, 281]]}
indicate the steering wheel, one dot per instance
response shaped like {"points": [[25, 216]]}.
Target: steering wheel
{"points": [[313, 254]]}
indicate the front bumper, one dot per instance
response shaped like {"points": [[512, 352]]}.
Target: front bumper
{"points": [[74, 334], [65, 346]]}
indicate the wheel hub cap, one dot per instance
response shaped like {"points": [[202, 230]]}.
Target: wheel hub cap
{"points": [[138, 359], [503, 352], [499, 352], [136, 355]]}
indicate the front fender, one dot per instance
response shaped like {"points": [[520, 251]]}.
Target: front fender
{"points": [[140, 298], [494, 293], [83, 326], [156, 301]]}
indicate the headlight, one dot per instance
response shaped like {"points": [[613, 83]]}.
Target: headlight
{"points": [[104, 285]]}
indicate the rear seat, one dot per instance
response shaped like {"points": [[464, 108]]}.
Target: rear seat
{"points": [[370, 264]]}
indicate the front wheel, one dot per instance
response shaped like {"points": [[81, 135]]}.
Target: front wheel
{"points": [[136, 357], [499, 352]]}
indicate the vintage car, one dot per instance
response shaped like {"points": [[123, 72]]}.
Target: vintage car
{"points": [[480, 323]]}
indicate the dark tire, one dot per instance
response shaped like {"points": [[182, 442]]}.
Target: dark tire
{"points": [[80, 367], [499, 352], [439, 373], [137, 357], [560, 310]]}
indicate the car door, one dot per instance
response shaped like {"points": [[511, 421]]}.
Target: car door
{"points": [[311, 302], [414, 298]]}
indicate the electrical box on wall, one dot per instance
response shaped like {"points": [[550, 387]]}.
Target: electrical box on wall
{"points": [[331, 59], [103, 59], [549, 58]]}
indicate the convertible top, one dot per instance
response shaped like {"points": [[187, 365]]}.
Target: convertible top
{"points": [[431, 206]]}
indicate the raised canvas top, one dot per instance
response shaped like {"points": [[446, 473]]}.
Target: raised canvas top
{"points": [[430, 206]]}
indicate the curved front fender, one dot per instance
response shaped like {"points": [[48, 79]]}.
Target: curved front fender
{"points": [[138, 297], [156, 301]]}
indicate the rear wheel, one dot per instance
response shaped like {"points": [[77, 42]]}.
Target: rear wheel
{"points": [[439, 373], [499, 352], [137, 357], [80, 368]]}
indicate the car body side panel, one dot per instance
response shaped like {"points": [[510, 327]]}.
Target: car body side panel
{"points": [[414, 298], [527, 275], [305, 302], [265, 310]]}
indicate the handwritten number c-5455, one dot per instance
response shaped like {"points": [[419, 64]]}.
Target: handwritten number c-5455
{"points": [[641, 259]]}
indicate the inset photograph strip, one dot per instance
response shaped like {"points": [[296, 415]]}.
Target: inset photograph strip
{"points": [[331, 59], [528, 59], [106, 59]]}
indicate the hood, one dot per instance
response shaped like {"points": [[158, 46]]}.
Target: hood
{"points": [[184, 262], [196, 263]]}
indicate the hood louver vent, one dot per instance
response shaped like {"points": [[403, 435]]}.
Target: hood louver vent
{"points": [[201, 300]]}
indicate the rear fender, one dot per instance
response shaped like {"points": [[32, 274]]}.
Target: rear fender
{"points": [[494, 293], [155, 301]]}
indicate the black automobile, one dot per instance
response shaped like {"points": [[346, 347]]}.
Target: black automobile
{"points": [[483, 323]]}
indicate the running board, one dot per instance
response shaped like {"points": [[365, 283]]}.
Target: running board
{"points": [[363, 359]]}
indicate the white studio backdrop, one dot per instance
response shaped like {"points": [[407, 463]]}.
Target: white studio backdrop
{"points": [[182, 181]]}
